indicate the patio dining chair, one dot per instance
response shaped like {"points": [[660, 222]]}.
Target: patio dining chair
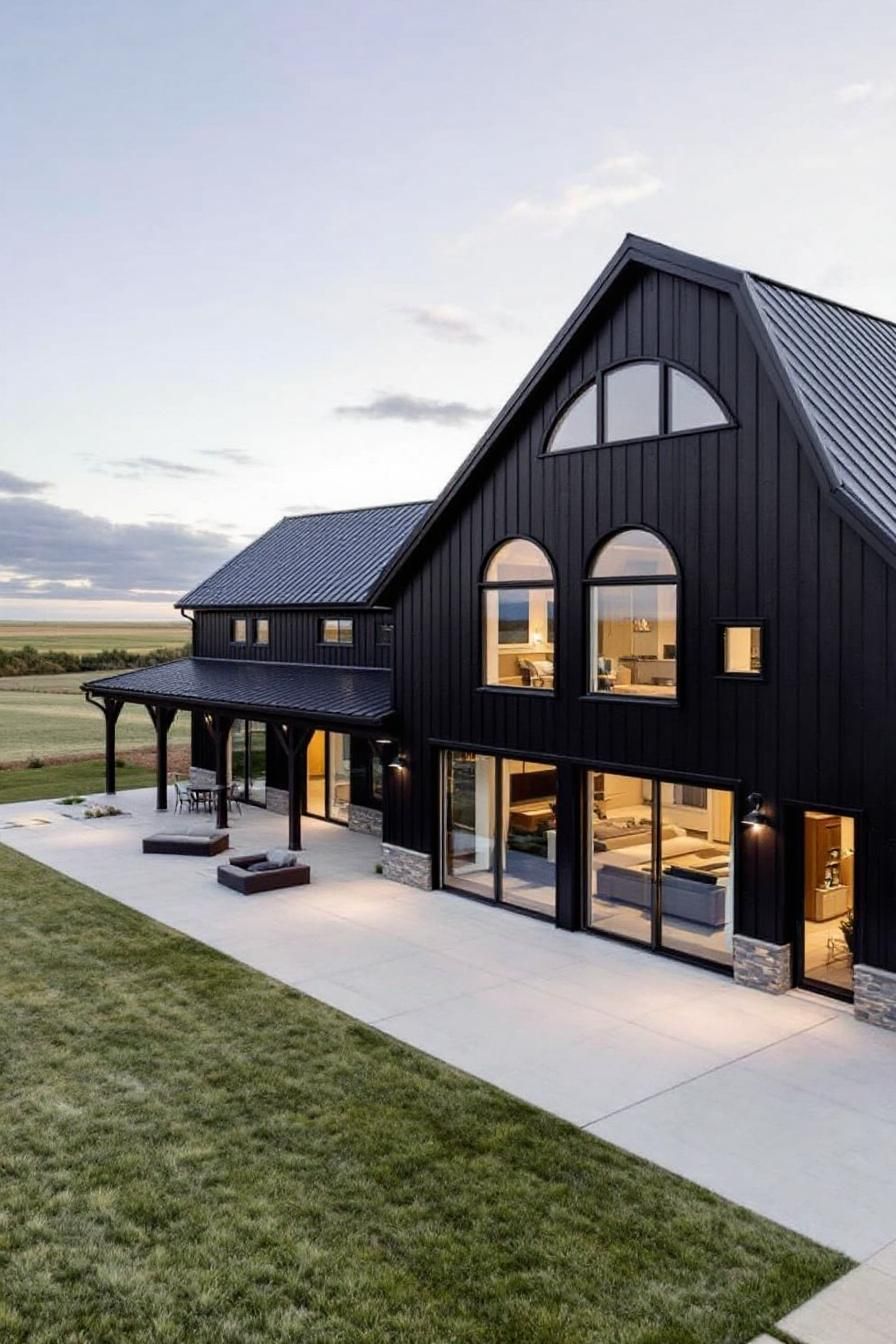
{"points": [[182, 797], [233, 798]]}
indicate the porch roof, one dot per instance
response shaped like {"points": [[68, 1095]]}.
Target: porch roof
{"points": [[352, 695]]}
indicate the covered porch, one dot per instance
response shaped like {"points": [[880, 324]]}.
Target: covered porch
{"points": [[291, 701]]}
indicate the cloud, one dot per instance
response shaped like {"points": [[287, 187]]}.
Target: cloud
{"points": [[133, 468], [236, 456], [46, 551], [608, 185], [11, 484], [404, 406], [865, 91], [446, 323]]}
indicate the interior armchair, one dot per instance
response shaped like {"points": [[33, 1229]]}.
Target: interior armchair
{"points": [[538, 672]]}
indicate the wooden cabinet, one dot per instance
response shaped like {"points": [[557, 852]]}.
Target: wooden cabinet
{"points": [[827, 895]]}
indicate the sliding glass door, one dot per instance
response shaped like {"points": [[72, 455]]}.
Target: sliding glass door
{"points": [[500, 830], [328, 779], [248, 760], [661, 859]]}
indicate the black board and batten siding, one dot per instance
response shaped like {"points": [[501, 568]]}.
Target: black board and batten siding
{"points": [[294, 637], [755, 537]]}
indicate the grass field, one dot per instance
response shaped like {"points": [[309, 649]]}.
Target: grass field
{"points": [[91, 636], [194, 1152], [60, 781], [49, 717]]}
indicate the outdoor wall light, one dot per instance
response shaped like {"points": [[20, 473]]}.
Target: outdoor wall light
{"points": [[400, 762], [755, 816]]}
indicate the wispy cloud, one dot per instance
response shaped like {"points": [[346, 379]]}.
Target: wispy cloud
{"points": [[866, 91], [446, 323], [46, 551], [132, 468], [10, 484], [235, 456], [608, 185], [404, 406]]}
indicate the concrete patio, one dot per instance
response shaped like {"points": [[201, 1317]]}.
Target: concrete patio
{"points": [[674, 1063]]}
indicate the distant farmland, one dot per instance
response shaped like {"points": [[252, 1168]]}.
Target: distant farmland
{"points": [[92, 636], [49, 717]]}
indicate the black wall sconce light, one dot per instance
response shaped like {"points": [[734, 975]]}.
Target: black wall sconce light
{"points": [[755, 816], [399, 763]]}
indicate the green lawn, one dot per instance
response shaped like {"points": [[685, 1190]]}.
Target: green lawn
{"points": [[192, 1152], [48, 716], [59, 781]]}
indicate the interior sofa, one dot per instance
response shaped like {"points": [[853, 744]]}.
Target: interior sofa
{"points": [[200, 842], [694, 896], [252, 873]]}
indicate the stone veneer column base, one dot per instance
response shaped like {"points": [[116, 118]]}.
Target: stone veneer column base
{"points": [[202, 778], [765, 966], [408, 866], [277, 800], [875, 996], [366, 820]]}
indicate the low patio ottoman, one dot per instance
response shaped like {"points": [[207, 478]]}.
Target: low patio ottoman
{"points": [[201, 843], [238, 875]]}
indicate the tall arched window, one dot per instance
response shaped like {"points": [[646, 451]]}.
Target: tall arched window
{"points": [[634, 617], [641, 399], [518, 617]]}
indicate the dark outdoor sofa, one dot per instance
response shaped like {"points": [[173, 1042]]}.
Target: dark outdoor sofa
{"points": [[697, 899], [275, 869], [202, 843]]}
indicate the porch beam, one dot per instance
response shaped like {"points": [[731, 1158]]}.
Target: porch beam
{"points": [[110, 709], [220, 729]]}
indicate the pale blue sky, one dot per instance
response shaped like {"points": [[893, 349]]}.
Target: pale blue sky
{"points": [[224, 221]]}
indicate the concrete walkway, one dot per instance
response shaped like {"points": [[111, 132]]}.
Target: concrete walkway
{"points": [[786, 1105]]}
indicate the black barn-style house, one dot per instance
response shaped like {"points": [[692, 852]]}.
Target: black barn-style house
{"points": [[634, 671]]}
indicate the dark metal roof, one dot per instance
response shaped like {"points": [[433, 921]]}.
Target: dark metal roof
{"points": [[318, 559], [306, 689], [842, 365]]}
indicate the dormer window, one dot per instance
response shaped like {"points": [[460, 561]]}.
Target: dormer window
{"points": [[238, 627], [336, 630], [642, 399]]}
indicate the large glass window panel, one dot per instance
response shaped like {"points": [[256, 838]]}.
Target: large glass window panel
{"points": [[316, 779], [519, 561], [691, 406], [697, 871], [469, 841], [742, 650], [257, 763], [529, 833], [634, 639], [339, 776], [577, 425], [829, 844], [633, 553], [620, 831], [518, 619], [238, 755], [632, 402]]}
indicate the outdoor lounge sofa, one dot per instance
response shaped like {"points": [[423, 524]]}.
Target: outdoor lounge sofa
{"points": [[275, 869], [201, 842]]}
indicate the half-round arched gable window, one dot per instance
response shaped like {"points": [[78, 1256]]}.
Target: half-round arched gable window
{"points": [[518, 617], [641, 399], [634, 616]]}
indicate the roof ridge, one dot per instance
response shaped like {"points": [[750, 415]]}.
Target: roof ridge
{"points": [[360, 508]]}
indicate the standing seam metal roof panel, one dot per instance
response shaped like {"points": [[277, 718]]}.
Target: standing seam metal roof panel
{"points": [[312, 560]]}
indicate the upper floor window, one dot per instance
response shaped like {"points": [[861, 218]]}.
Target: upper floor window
{"points": [[238, 629], [643, 399], [518, 617], [337, 630], [634, 617], [262, 630], [741, 651]]}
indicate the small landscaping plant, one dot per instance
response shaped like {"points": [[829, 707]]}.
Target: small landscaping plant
{"points": [[102, 810], [35, 763], [71, 801], [848, 927]]}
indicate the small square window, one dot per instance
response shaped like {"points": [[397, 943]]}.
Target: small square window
{"points": [[336, 630], [238, 630], [262, 630], [742, 651]]}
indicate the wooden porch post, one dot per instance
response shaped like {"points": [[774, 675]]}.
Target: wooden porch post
{"points": [[111, 709], [162, 717], [294, 741], [221, 726]]}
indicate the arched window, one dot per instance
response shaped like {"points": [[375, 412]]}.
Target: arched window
{"points": [[634, 617], [518, 617], [642, 399]]}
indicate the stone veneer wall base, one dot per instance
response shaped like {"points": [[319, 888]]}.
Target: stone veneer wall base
{"points": [[765, 966], [875, 996], [365, 820], [277, 800], [408, 866]]}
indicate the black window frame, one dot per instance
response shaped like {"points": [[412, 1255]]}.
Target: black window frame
{"points": [[598, 379], [723, 623], [627, 581], [244, 622], [385, 633], [340, 621], [256, 622], [487, 586]]}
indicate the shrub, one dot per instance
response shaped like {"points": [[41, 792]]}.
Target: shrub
{"points": [[71, 801], [35, 763], [102, 810]]}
